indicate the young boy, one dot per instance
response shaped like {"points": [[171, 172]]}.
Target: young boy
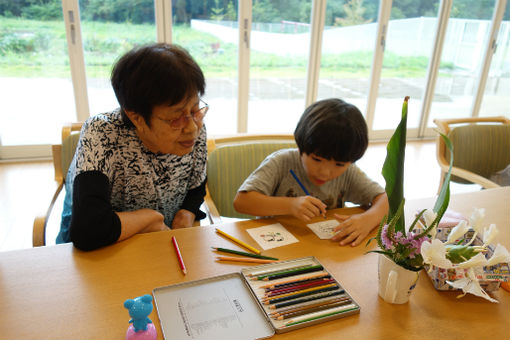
{"points": [[331, 135]]}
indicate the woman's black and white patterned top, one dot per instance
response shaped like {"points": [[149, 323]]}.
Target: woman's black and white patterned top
{"points": [[137, 178]]}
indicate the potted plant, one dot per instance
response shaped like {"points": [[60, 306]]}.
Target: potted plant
{"points": [[403, 252]]}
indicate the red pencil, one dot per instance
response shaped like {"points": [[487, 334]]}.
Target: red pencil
{"points": [[179, 256], [298, 287]]}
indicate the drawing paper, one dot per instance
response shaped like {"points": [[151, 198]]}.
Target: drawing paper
{"points": [[324, 229], [272, 236]]}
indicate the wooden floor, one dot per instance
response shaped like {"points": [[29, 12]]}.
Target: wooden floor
{"points": [[26, 189]]}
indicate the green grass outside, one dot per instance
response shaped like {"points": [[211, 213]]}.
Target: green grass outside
{"points": [[31, 48]]}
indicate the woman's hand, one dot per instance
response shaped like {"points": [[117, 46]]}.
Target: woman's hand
{"points": [[140, 221], [157, 225], [307, 207], [183, 219]]}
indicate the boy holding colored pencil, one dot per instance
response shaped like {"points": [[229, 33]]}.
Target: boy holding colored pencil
{"points": [[320, 174]]}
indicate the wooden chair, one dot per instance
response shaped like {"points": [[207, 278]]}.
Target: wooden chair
{"points": [[62, 156], [230, 161], [481, 147]]}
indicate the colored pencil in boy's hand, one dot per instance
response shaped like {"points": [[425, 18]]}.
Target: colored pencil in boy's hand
{"points": [[307, 193]]}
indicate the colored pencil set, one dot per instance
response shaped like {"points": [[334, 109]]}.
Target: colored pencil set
{"points": [[299, 292], [253, 257]]}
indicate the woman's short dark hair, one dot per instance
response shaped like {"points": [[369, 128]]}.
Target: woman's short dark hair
{"points": [[153, 75], [332, 129]]}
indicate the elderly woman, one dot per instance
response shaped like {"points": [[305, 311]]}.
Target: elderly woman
{"points": [[142, 167]]}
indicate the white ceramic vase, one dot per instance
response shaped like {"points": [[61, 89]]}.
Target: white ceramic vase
{"points": [[395, 282]]}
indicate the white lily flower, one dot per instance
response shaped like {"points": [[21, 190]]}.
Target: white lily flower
{"points": [[490, 234], [429, 216], [478, 260], [434, 253], [457, 232], [470, 285], [501, 254], [476, 219]]}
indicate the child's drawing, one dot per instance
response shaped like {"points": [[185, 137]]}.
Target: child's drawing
{"points": [[272, 236], [324, 229]]}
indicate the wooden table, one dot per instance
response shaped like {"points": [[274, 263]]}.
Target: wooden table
{"points": [[59, 292]]}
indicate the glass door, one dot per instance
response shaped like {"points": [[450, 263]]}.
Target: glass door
{"points": [[466, 36], [109, 29], [279, 50], [495, 99], [210, 33], [35, 83], [348, 51], [408, 46]]}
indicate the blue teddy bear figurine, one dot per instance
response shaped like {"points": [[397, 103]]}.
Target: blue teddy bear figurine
{"points": [[139, 308]]}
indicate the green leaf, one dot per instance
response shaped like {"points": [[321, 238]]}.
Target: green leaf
{"points": [[411, 228], [444, 195], [389, 254], [393, 168], [460, 253]]}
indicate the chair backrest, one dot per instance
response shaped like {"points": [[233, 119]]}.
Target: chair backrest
{"points": [[62, 157], [232, 160], [482, 149], [63, 154], [68, 149]]}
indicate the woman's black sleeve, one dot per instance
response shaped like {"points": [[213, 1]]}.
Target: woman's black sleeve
{"points": [[94, 224], [194, 199]]}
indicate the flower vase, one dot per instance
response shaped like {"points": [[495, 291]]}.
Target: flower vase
{"points": [[395, 282]]}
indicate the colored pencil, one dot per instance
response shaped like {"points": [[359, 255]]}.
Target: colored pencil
{"points": [[302, 294], [299, 306], [327, 302], [299, 182], [310, 304], [266, 272], [306, 299], [241, 243], [291, 281], [237, 252], [293, 286], [302, 186], [297, 283], [287, 273], [314, 283], [179, 256], [312, 310], [296, 293], [301, 289], [322, 314], [243, 259]]}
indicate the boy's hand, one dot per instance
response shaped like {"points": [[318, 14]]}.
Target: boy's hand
{"points": [[352, 229], [307, 207]]}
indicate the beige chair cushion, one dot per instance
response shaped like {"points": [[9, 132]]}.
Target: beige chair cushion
{"points": [[228, 166], [482, 149]]}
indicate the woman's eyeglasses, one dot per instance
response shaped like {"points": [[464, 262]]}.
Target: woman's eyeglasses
{"points": [[197, 116]]}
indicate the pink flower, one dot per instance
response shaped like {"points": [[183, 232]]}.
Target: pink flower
{"points": [[385, 239]]}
